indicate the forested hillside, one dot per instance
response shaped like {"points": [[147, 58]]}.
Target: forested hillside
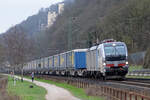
{"points": [[87, 20], [83, 22]]}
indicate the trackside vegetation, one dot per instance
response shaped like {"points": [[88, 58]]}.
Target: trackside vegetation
{"points": [[135, 67], [77, 92], [23, 90]]}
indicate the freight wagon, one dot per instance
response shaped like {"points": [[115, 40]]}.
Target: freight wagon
{"points": [[68, 63]]}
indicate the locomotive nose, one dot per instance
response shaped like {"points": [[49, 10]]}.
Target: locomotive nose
{"points": [[116, 68]]}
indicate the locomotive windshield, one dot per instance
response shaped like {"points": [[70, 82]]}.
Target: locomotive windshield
{"points": [[113, 53]]}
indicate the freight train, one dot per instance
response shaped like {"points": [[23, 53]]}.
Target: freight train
{"points": [[109, 59]]}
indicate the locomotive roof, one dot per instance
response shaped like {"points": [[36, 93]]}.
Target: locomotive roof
{"points": [[117, 43], [107, 43]]}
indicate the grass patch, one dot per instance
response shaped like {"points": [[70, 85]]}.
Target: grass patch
{"points": [[133, 68], [77, 92], [24, 92]]}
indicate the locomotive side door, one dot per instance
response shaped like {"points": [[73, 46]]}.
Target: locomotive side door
{"points": [[100, 58]]}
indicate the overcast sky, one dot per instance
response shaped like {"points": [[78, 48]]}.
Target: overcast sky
{"points": [[15, 11]]}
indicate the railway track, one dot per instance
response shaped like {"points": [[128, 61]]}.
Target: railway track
{"points": [[133, 83], [141, 80], [145, 83]]}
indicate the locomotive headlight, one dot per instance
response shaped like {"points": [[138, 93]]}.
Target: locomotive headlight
{"points": [[104, 64], [114, 44], [127, 62]]}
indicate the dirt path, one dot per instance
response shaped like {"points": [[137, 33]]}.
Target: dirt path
{"points": [[54, 92]]}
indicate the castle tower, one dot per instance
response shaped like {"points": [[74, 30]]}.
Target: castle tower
{"points": [[60, 8], [51, 18], [53, 14]]}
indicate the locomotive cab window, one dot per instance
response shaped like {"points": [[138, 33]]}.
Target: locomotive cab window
{"points": [[117, 52]]}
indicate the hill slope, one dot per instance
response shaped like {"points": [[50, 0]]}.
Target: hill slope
{"points": [[86, 20]]}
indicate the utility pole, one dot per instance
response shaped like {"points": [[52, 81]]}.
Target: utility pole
{"points": [[70, 34], [70, 31]]}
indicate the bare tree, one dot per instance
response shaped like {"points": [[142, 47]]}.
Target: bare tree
{"points": [[2, 53], [18, 48], [2, 57]]}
